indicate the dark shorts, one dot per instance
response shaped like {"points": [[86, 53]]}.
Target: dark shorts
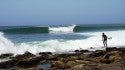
{"points": [[105, 39]]}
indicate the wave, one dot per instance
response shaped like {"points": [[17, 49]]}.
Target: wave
{"points": [[95, 28], [62, 45], [27, 30], [62, 29]]}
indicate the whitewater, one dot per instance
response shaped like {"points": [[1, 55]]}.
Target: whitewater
{"points": [[60, 45]]}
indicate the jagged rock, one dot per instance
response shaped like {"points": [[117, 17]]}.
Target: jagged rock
{"points": [[6, 55], [26, 56]]}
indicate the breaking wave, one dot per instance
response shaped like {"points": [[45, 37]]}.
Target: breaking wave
{"points": [[62, 29]]}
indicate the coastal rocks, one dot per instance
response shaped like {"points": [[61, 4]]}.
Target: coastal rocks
{"points": [[96, 60], [63, 65], [23, 61], [98, 53], [81, 51], [8, 64], [6, 55], [27, 55], [115, 49]]}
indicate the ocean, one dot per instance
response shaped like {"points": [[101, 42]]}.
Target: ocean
{"points": [[59, 38]]}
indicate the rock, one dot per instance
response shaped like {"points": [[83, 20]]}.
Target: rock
{"points": [[6, 55], [107, 61], [81, 51], [22, 61], [82, 67], [82, 57], [76, 51], [31, 68], [72, 58], [46, 55], [8, 64], [26, 56], [115, 49], [98, 53], [30, 63], [84, 51], [70, 64], [58, 65], [106, 56], [82, 62], [113, 66]]}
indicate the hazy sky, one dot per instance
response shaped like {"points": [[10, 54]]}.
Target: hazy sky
{"points": [[40, 12]]}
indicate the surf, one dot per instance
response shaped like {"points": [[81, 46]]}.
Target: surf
{"points": [[58, 45], [60, 29]]}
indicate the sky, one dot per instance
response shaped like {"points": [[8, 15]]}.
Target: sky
{"points": [[56, 12]]}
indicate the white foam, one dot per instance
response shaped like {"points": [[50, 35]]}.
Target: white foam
{"points": [[61, 29], [6, 46]]}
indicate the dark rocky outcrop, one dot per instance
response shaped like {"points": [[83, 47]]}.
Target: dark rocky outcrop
{"points": [[6, 55]]}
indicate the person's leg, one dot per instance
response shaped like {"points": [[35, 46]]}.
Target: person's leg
{"points": [[104, 43]]}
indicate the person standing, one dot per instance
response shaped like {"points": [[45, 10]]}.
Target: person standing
{"points": [[104, 39]]}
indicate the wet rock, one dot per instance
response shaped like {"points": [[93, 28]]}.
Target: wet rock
{"points": [[115, 49], [81, 51], [8, 64], [6, 55], [77, 51], [98, 53], [27, 55], [84, 51], [31, 62], [46, 55], [111, 49]]}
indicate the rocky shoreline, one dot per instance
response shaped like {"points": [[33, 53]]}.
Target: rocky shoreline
{"points": [[109, 59]]}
